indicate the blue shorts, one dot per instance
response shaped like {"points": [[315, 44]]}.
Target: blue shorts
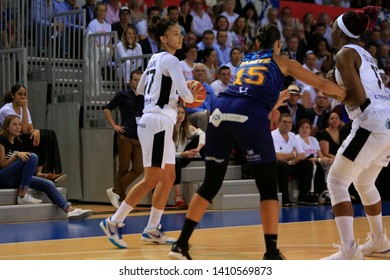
{"points": [[245, 123]]}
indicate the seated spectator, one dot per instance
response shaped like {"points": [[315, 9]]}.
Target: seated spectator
{"points": [[202, 21], [123, 23], [318, 114], [221, 48], [222, 24], [235, 59], [188, 64], [185, 18], [89, 8], [241, 38], [309, 94], [211, 65], [324, 58], [208, 39], [130, 106], [199, 117], [293, 108], [16, 103], [142, 26], [223, 80], [228, 12], [128, 46], [149, 44], [17, 169], [311, 148], [291, 161], [173, 15], [309, 64], [189, 142], [136, 13], [101, 51], [250, 13], [112, 14]]}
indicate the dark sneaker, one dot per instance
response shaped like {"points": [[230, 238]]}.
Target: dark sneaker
{"points": [[179, 252], [308, 199], [276, 256]]}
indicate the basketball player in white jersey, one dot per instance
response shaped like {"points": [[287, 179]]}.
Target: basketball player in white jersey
{"points": [[161, 84], [367, 148]]}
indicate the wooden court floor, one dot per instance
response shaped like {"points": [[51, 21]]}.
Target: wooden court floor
{"points": [[297, 241]]}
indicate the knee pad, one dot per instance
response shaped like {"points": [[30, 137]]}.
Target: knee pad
{"points": [[265, 177], [340, 177], [215, 174]]}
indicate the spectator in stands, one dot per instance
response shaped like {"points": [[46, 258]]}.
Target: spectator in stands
{"points": [[112, 14], [221, 48], [16, 103], [185, 18], [142, 26], [292, 48], [188, 64], [309, 94], [130, 105], [222, 24], [149, 44], [101, 52], [273, 18], [291, 161], [372, 48], [208, 39], [224, 75], [311, 148], [319, 113], [309, 64], [189, 142], [136, 11], [249, 12], [308, 25], [324, 57], [7, 27], [383, 55], [211, 65], [202, 21], [235, 59], [228, 12], [285, 16], [160, 4], [89, 8], [293, 108], [173, 15], [199, 117], [288, 31], [303, 45], [17, 169], [127, 47], [241, 38], [123, 23], [325, 19]]}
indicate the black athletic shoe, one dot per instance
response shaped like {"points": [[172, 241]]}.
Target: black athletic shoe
{"points": [[276, 256], [179, 252]]}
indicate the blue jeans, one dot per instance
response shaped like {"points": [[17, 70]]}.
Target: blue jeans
{"points": [[21, 174]]}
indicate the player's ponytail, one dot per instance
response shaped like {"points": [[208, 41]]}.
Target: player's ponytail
{"points": [[354, 23]]}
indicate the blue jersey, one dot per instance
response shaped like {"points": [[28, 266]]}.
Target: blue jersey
{"points": [[258, 77]]}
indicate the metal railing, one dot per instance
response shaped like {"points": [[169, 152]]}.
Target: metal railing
{"points": [[13, 65]]}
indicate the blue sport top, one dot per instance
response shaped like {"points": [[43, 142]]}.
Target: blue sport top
{"points": [[258, 77]]}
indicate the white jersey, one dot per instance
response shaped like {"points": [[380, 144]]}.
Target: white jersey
{"points": [[161, 84], [369, 75]]}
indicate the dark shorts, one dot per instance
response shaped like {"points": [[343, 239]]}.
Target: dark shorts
{"points": [[253, 136]]}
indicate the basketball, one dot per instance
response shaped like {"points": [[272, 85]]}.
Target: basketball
{"points": [[199, 93]]}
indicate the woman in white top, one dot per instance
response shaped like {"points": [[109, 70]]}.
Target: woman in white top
{"points": [[189, 142], [211, 65], [188, 64], [161, 84], [127, 47]]}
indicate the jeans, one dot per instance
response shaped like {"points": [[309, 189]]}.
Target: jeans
{"points": [[128, 149], [20, 174]]}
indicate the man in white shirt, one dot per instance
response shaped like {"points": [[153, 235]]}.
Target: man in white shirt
{"points": [[221, 84], [202, 20], [291, 161]]}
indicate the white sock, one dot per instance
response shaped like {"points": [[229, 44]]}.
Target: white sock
{"points": [[376, 226], [345, 228], [122, 212], [154, 218]]}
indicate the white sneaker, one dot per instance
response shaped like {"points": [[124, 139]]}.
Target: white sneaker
{"points": [[114, 198], [378, 246], [156, 235], [353, 253], [79, 214], [113, 232], [28, 199]]}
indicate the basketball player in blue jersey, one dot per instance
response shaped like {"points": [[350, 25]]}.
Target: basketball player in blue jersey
{"points": [[366, 150], [240, 115], [161, 84]]}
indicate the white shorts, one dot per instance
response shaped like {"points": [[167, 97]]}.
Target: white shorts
{"points": [[155, 132], [369, 140]]}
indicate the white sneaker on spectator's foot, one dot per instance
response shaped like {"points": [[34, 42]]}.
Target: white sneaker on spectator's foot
{"points": [[79, 214], [156, 235], [114, 198], [354, 253], [28, 199], [375, 246], [113, 232]]}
